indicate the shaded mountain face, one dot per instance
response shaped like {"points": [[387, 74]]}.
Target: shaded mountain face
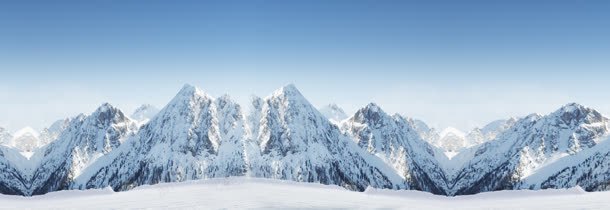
{"points": [[12, 179], [588, 169]]}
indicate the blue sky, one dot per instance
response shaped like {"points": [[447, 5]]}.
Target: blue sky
{"points": [[450, 63]]}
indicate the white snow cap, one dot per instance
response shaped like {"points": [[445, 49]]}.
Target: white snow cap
{"points": [[26, 131]]}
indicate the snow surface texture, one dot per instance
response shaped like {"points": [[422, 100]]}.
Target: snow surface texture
{"points": [[254, 193], [284, 137]]}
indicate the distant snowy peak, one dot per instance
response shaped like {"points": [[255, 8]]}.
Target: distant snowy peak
{"points": [[26, 139], [490, 131], [334, 113], [452, 140], [451, 131], [51, 133], [498, 126], [426, 132], [5, 137], [144, 113]]}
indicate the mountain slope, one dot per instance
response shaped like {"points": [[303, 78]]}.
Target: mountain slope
{"points": [[298, 143], [531, 143], [82, 142], [193, 137], [12, 180], [395, 139], [198, 137], [588, 169]]}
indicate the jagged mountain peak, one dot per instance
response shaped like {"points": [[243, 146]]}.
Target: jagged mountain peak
{"points": [[288, 92], [574, 113], [372, 107], [107, 114], [189, 91], [188, 98], [371, 113]]}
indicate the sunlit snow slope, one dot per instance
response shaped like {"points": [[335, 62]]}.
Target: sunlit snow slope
{"points": [[241, 193]]}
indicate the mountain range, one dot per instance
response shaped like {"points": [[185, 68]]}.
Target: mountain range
{"points": [[283, 136]]}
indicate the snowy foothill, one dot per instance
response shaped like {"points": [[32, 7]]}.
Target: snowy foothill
{"points": [[257, 193]]}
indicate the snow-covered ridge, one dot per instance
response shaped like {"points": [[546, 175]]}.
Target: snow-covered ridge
{"points": [[197, 136]]}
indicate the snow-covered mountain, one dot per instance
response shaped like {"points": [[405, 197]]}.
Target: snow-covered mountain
{"points": [[334, 113], [298, 143], [530, 144], [196, 136], [588, 169], [85, 139], [193, 137], [395, 140], [454, 141], [144, 113]]}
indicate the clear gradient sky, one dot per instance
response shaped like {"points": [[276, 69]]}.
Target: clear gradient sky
{"points": [[449, 63]]}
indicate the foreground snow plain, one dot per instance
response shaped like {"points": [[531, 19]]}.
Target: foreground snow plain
{"points": [[255, 193]]}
